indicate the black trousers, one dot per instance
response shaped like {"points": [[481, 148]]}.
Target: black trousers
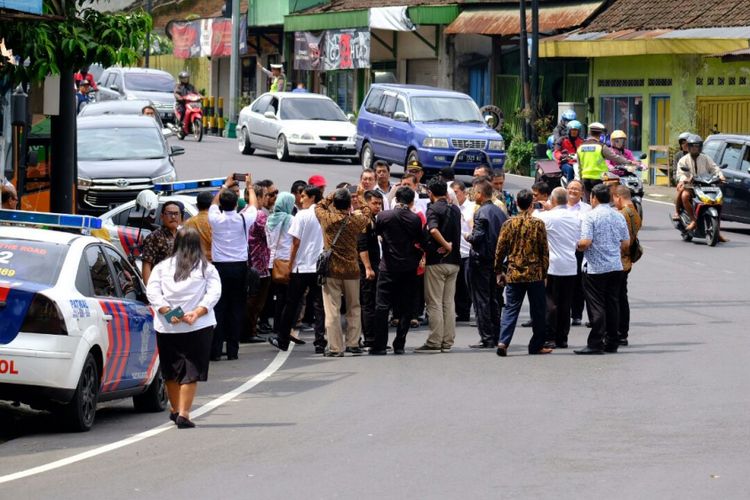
{"points": [[463, 292], [279, 293], [367, 294], [394, 288], [231, 309], [576, 306], [486, 297], [603, 305], [624, 327], [588, 186], [299, 285], [559, 293]]}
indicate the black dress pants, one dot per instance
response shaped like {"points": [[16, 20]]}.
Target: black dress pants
{"points": [[486, 297], [624, 327], [576, 306], [463, 293], [394, 288], [299, 285], [559, 292], [588, 186], [231, 309], [367, 295], [603, 305]]}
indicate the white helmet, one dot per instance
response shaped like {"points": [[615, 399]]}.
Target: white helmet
{"points": [[597, 127]]}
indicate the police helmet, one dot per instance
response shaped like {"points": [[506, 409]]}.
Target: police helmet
{"points": [[569, 115]]}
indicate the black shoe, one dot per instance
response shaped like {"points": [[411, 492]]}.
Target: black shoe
{"points": [[527, 324], [561, 345], [232, 357], [502, 350], [463, 319], [482, 345], [297, 341], [319, 349], [398, 350], [254, 340], [549, 345], [623, 342], [173, 416], [575, 322], [588, 350], [588, 324], [184, 423], [215, 358], [379, 352], [274, 341], [354, 350], [611, 349]]}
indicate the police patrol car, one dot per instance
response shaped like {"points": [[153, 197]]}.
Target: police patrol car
{"points": [[75, 325], [127, 225]]}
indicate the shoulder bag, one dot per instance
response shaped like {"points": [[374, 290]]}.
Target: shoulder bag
{"points": [[323, 266], [636, 250], [281, 270]]}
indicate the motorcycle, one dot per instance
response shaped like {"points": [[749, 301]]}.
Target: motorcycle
{"points": [[707, 200], [632, 181], [193, 122]]}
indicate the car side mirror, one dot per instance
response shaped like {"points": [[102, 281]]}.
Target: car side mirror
{"points": [[400, 116], [270, 115], [176, 150], [114, 87]]}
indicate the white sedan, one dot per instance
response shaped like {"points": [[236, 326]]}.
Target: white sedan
{"points": [[296, 124]]}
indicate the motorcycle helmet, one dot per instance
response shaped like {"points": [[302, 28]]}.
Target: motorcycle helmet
{"points": [[184, 77], [618, 134], [597, 127], [575, 124], [695, 139], [683, 137], [569, 115], [551, 142]]}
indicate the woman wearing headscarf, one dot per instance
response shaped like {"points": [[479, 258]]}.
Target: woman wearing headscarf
{"points": [[280, 244], [183, 290]]}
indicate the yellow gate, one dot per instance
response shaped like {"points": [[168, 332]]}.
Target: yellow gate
{"points": [[726, 115]]}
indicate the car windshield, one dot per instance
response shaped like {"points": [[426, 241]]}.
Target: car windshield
{"points": [[311, 109], [445, 109], [149, 82], [31, 261], [127, 143]]}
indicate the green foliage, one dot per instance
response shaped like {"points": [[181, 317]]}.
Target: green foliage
{"points": [[79, 36], [519, 155]]}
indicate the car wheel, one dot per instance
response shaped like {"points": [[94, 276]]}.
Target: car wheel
{"points": [[79, 414], [282, 149], [155, 398], [366, 156], [243, 142]]}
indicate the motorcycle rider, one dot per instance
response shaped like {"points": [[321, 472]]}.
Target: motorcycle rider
{"points": [[693, 164], [593, 156], [562, 128], [567, 146], [83, 74], [682, 141], [619, 139], [82, 95], [182, 89]]}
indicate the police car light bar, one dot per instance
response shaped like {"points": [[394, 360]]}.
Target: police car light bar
{"points": [[83, 222], [173, 187]]}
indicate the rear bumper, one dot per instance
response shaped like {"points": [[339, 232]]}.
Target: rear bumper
{"points": [[36, 396]]}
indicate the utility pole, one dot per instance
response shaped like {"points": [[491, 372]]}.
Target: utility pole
{"points": [[148, 37], [524, 70], [234, 69], [534, 67]]}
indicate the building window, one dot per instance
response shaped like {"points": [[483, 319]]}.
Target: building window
{"points": [[624, 113], [732, 80], [340, 88], [621, 83], [699, 81], [659, 82]]}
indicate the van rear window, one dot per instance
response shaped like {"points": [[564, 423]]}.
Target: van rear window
{"points": [[31, 261]]}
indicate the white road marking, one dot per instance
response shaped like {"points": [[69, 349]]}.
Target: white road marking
{"points": [[278, 361]]}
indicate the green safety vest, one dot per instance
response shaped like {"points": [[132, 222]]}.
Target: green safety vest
{"points": [[591, 163], [275, 84]]}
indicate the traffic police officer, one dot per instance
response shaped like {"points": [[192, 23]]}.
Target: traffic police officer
{"points": [[593, 156]]}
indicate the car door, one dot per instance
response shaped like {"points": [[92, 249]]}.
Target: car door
{"points": [[400, 130], [255, 122], [366, 120], [384, 128], [272, 126], [140, 356], [740, 182], [730, 163], [105, 93]]}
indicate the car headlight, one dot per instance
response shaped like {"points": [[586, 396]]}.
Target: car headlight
{"points": [[170, 177], [84, 183], [435, 142], [307, 137], [496, 145]]}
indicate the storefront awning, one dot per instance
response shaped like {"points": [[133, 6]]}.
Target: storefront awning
{"points": [[504, 21], [363, 18], [735, 55], [702, 41], [27, 6]]}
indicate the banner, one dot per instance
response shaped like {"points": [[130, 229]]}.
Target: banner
{"points": [[307, 51], [346, 49], [221, 38], [206, 37]]}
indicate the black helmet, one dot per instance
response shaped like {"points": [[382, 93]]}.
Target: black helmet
{"points": [[184, 76], [695, 139]]}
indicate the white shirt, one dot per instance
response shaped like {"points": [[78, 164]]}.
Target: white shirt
{"points": [[467, 215], [228, 235], [281, 241], [580, 208], [563, 233], [306, 228], [189, 294]]}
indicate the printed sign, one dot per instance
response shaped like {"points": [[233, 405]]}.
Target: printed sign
{"points": [[346, 49], [206, 37], [307, 51]]}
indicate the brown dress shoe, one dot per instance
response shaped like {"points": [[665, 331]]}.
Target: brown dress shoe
{"points": [[543, 350]]}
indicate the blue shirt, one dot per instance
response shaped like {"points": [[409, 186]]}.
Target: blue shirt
{"points": [[606, 228]]}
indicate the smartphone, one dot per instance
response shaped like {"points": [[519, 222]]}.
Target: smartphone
{"points": [[424, 195], [239, 177], [174, 313]]}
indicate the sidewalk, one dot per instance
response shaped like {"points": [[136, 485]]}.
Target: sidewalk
{"points": [[659, 193]]}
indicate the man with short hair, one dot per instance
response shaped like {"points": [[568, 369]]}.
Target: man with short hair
{"points": [[488, 220], [563, 230], [624, 204], [369, 262], [230, 231], [401, 233], [9, 197], [463, 294], [541, 192], [604, 237], [500, 194], [298, 187], [148, 110], [200, 223], [368, 180], [383, 176], [333, 212], [443, 259], [521, 262]]}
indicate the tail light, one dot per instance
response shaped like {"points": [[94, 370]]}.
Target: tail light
{"points": [[44, 316]]}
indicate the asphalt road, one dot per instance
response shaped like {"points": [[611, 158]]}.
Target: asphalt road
{"points": [[667, 417]]}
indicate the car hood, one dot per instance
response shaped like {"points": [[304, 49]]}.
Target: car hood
{"points": [[319, 127], [117, 169], [462, 130], [155, 97]]}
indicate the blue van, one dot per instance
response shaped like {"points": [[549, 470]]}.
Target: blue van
{"points": [[402, 123]]}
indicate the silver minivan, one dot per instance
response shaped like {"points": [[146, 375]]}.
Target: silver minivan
{"points": [[140, 83]]}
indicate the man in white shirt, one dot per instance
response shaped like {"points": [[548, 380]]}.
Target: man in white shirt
{"points": [[579, 208], [229, 235], [368, 183], [563, 232], [307, 245], [463, 294]]}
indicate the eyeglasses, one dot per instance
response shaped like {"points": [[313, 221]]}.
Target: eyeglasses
{"points": [[172, 214]]}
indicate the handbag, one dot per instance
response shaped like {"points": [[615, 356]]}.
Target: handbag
{"points": [[636, 250], [281, 270], [323, 265]]}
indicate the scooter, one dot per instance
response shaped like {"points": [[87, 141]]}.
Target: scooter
{"points": [[707, 201], [193, 122], [632, 181]]}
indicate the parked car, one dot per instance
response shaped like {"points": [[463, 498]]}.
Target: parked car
{"points": [[133, 107], [140, 83], [75, 324], [118, 157], [732, 154], [296, 124], [402, 123]]}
